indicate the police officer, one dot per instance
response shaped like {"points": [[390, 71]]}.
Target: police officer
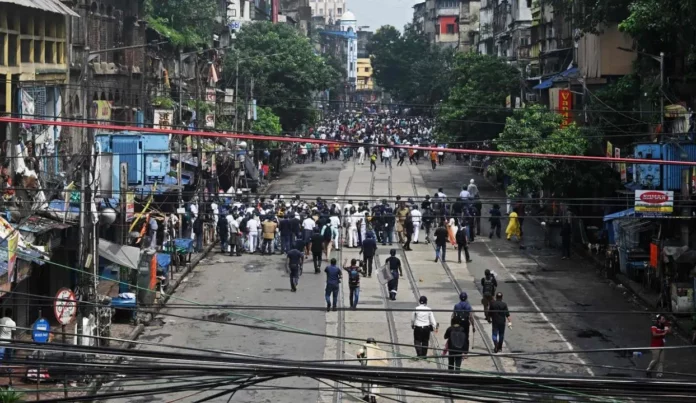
{"points": [[393, 263], [368, 250], [370, 354]]}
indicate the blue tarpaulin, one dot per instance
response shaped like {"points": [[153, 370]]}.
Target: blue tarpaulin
{"points": [[548, 83]]}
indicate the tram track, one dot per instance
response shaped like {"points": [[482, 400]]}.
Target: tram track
{"points": [[478, 326]]}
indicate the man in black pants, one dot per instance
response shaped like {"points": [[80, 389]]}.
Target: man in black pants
{"points": [[499, 312], [393, 263], [294, 266], [317, 242], [422, 322], [462, 244], [367, 250]]}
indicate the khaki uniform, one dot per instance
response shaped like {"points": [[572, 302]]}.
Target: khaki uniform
{"points": [[376, 357]]}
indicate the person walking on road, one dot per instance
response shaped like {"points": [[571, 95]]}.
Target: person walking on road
{"points": [[353, 282], [513, 227], [658, 331], [294, 266], [462, 311], [433, 159], [269, 228], [361, 155], [370, 354], [333, 282], [393, 263], [494, 220], [441, 238], [462, 244], [235, 236], [566, 234], [223, 232], [423, 323], [488, 286], [417, 218], [317, 247], [373, 161], [473, 190], [409, 227], [368, 250], [499, 313], [457, 344]]}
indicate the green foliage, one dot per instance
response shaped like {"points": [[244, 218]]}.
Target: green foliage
{"points": [[183, 22], [10, 396], [664, 26], [474, 109], [286, 72], [408, 67], [537, 130], [199, 106], [266, 123], [165, 102]]}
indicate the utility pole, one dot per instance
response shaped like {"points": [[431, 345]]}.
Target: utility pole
{"points": [[236, 94], [662, 92], [181, 140], [83, 239]]}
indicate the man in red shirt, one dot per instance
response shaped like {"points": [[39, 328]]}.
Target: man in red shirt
{"points": [[659, 331]]}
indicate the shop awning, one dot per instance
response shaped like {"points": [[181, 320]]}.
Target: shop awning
{"points": [[122, 255], [39, 225], [626, 213], [51, 6], [548, 83]]}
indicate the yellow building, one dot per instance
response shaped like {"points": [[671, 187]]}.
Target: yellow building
{"points": [[364, 82], [33, 46]]}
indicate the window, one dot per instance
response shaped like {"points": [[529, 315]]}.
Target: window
{"points": [[367, 69], [232, 12], [352, 66], [321, 11], [339, 11], [450, 28]]}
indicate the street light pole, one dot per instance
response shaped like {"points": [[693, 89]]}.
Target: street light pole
{"points": [[662, 92]]}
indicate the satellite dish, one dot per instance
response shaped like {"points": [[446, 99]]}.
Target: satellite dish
{"points": [[107, 216]]}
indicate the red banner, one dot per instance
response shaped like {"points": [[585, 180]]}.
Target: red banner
{"points": [[565, 106]]}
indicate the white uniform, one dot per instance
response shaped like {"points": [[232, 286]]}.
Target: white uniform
{"points": [[253, 236], [353, 230], [361, 155], [417, 218], [335, 224]]}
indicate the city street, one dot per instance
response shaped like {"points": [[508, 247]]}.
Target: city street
{"points": [[528, 285]]}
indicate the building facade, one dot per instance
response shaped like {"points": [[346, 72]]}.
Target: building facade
{"points": [[331, 10], [349, 25]]}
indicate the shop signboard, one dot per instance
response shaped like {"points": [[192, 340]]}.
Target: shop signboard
{"points": [[654, 202], [565, 105]]}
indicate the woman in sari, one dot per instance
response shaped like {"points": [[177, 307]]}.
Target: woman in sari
{"points": [[452, 231], [513, 227]]}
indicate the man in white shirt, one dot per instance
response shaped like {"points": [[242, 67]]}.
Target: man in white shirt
{"points": [[417, 218], [386, 157], [473, 189], [441, 194], [235, 239], [464, 194], [423, 322], [335, 225], [7, 327], [361, 155], [253, 236], [352, 220], [308, 229]]}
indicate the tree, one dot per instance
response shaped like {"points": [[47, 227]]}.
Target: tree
{"points": [[537, 130], [280, 67], [184, 22], [475, 106], [664, 26], [409, 67], [266, 122]]}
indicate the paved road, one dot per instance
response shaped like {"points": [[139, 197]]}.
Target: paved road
{"points": [[534, 281]]}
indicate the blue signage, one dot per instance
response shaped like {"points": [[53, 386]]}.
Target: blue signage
{"points": [[40, 331]]}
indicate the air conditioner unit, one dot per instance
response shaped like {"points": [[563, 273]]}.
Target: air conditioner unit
{"points": [[529, 97]]}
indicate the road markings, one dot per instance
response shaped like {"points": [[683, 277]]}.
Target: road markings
{"points": [[542, 314]]}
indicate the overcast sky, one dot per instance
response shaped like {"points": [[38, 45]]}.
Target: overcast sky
{"points": [[376, 13]]}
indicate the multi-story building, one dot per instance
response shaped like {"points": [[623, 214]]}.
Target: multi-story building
{"points": [[448, 23], [419, 17], [34, 69], [486, 39], [331, 10], [349, 25], [468, 24], [365, 82]]}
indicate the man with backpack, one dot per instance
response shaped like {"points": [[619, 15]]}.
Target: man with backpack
{"points": [[462, 311], [457, 344], [353, 282], [499, 314], [488, 286], [393, 263]]}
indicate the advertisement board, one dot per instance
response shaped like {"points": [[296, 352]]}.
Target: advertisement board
{"points": [[654, 201]]}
